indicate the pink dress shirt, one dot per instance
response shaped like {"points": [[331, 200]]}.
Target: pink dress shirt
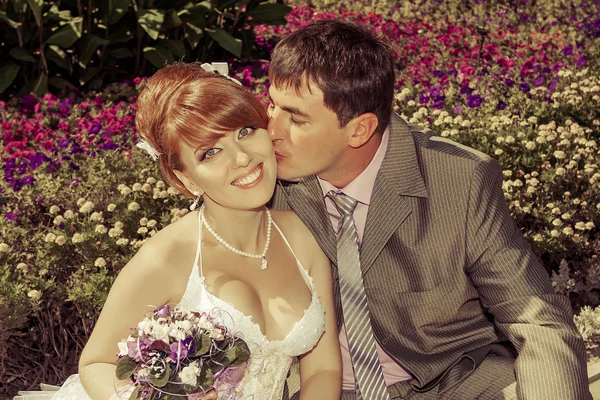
{"points": [[360, 189]]}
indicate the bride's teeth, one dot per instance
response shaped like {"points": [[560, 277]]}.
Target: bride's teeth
{"points": [[248, 179]]}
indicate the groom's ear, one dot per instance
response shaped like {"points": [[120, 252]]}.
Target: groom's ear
{"points": [[362, 129]]}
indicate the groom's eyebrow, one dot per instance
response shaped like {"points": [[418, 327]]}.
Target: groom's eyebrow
{"points": [[291, 110]]}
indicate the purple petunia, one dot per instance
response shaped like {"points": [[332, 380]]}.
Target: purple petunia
{"points": [[457, 109], [524, 87], [539, 81], [509, 82], [581, 62], [567, 51], [11, 217], [474, 100], [501, 105], [95, 128]]}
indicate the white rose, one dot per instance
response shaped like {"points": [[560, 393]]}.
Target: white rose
{"points": [[160, 185], [189, 374], [142, 231], [136, 187]]}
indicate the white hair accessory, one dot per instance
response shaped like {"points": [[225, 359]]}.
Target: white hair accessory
{"points": [[142, 144], [220, 68]]}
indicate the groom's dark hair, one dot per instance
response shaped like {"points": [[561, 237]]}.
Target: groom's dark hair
{"points": [[353, 68]]}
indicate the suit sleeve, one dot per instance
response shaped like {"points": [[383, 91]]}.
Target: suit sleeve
{"points": [[516, 290]]}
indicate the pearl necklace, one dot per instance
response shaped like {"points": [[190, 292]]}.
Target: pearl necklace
{"points": [[263, 264]]}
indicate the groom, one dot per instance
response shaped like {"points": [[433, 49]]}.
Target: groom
{"points": [[438, 295]]}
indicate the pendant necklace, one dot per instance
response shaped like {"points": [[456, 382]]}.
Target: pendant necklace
{"points": [[262, 256]]}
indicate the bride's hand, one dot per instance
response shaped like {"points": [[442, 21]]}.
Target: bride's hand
{"points": [[211, 395]]}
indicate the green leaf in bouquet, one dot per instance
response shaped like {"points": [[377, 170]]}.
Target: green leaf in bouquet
{"points": [[226, 41], [135, 394], [242, 352], [126, 366], [206, 378], [202, 343], [162, 379]]}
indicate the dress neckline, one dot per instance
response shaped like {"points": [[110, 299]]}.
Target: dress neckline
{"points": [[197, 272]]}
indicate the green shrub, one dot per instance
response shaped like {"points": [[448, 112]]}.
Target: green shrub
{"points": [[69, 45]]}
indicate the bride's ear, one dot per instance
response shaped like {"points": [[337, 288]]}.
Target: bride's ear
{"points": [[187, 182]]}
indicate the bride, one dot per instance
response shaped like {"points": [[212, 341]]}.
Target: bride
{"points": [[260, 268]]}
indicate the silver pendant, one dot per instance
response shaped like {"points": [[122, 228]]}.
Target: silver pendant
{"points": [[263, 264]]}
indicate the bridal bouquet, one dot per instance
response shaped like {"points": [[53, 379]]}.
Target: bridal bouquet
{"points": [[176, 353]]}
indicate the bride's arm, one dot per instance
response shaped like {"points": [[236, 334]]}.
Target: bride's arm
{"points": [[321, 368], [144, 282]]}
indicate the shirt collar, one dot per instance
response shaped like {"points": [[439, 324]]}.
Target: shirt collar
{"points": [[361, 187]]}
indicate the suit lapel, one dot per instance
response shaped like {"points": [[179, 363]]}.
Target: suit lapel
{"points": [[399, 179], [306, 199]]}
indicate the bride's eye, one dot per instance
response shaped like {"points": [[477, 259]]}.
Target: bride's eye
{"points": [[246, 131], [210, 153]]}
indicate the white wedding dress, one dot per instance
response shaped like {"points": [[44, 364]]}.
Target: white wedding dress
{"points": [[270, 360]]}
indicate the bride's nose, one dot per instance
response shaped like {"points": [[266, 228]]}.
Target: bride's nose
{"points": [[242, 158]]}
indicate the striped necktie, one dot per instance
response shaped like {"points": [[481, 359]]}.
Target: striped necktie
{"points": [[370, 384]]}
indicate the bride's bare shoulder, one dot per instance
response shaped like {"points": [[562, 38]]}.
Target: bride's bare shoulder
{"points": [[170, 249]]}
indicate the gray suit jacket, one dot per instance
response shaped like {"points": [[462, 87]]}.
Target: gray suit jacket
{"points": [[447, 273]]}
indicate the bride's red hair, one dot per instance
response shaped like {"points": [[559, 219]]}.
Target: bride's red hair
{"points": [[182, 102]]}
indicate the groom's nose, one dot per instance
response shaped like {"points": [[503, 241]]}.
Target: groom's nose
{"points": [[277, 126]]}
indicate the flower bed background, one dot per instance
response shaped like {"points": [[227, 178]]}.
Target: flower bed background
{"points": [[517, 80]]}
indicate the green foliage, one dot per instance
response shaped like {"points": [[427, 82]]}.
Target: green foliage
{"points": [[86, 44]]}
